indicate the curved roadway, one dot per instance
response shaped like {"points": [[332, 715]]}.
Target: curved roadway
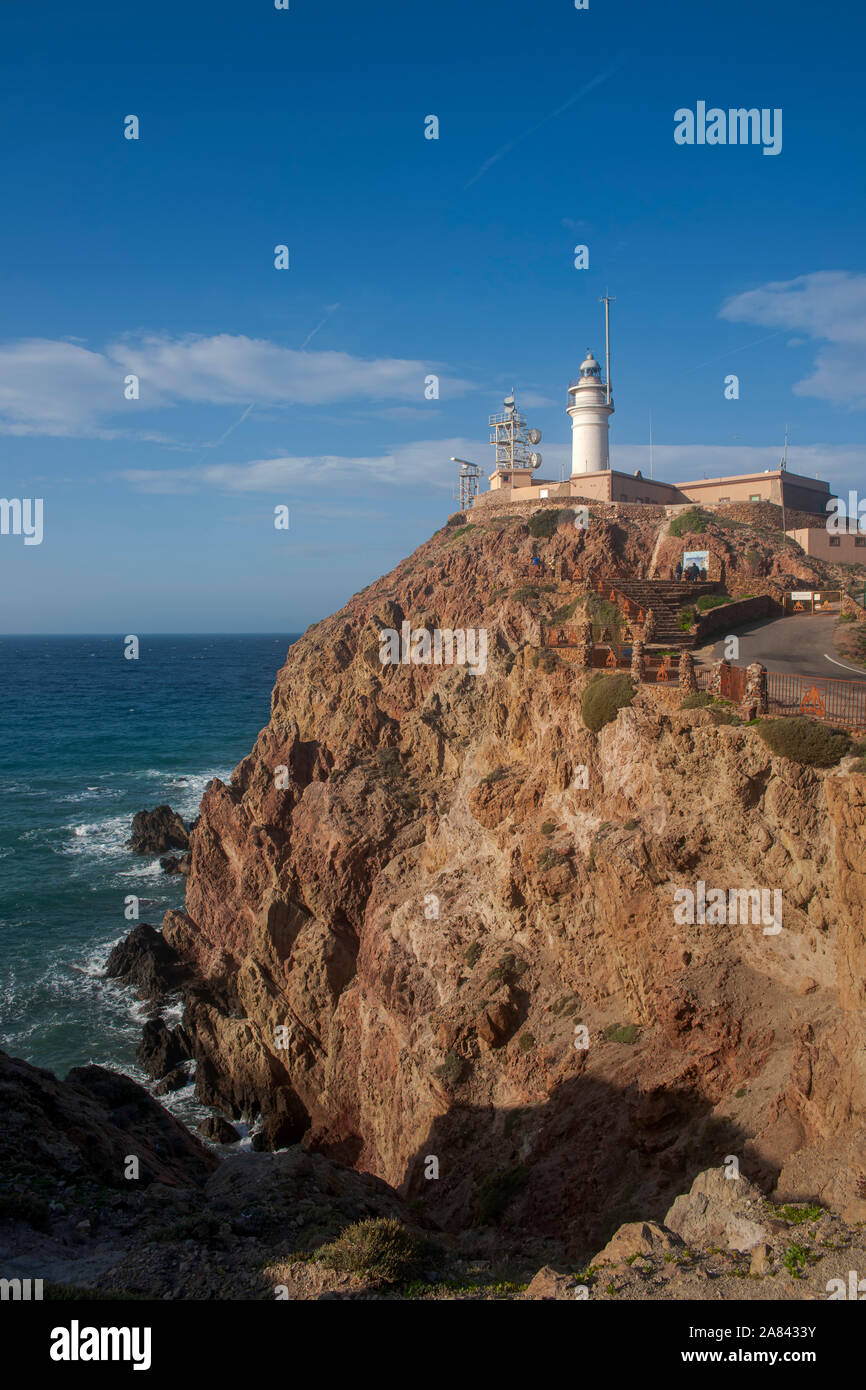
{"points": [[798, 645]]}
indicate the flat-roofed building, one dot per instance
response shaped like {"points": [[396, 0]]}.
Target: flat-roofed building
{"points": [[842, 547]]}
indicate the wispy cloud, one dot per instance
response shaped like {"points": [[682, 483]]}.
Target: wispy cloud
{"points": [[830, 307], [60, 388], [423, 463]]}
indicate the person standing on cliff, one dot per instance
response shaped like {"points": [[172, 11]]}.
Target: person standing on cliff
{"points": [[679, 570]]}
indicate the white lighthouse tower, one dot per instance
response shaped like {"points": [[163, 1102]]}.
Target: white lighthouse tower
{"points": [[590, 406]]}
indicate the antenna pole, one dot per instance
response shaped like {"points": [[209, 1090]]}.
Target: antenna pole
{"points": [[607, 300], [651, 443]]}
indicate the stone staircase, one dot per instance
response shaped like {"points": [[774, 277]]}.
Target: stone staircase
{"points": [[665, 597]]}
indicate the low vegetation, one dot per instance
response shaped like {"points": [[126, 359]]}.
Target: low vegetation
{"points": [[621, 1033], [544, 524], [604, 697], [690, 523], [805, 741], [708, 601], [381, 1248], [697, 699]]}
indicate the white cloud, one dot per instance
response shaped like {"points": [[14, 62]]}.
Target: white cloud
{"points": [[422, 463], [60, 388], [829, 306]]}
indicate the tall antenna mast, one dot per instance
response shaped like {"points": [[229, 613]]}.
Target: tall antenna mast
{"points": [[651, 443], [607, 300]]}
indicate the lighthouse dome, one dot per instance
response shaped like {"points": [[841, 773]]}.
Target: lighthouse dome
{"points": [[589, 368]]}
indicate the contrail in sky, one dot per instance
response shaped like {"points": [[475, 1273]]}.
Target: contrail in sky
{"points": [[593, 83]]}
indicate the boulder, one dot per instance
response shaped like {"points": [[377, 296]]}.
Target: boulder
{"points": [[549, 1284], [162, 1048], [720, 1211], [638, 1238], [146, 963], [154, 832], [218, 1130], [174, 864], [174, 1080]]}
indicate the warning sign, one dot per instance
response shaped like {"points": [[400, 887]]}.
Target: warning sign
{"points": [[812, 703]]}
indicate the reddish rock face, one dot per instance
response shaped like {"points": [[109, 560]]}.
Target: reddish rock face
{"points": [[419, 934]]}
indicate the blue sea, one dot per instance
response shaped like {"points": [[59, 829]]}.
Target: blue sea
{"points": [[89, 738]]}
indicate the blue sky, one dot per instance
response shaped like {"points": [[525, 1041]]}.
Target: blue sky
{"points": [[408, 257]]}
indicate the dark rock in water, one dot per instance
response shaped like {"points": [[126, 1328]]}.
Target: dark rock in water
{"points": [[174, 864], [162, 1048], [146, 963], [219, 1130], [84, 1128], [154, 832], [174, 1080], [284, 1121]]}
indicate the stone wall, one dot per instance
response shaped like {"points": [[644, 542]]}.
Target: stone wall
{"points": [[730, 615]]}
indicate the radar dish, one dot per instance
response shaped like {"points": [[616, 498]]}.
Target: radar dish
{"points": [[535, 460], [533, 436]]}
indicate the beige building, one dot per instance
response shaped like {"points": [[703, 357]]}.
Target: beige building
{"points": [[608, 485], [844, 548]]}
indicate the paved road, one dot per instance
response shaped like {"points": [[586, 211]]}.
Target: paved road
{"points": [[801, 645]]}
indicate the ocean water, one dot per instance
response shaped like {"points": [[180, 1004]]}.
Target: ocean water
{"points": [[87, 738]]}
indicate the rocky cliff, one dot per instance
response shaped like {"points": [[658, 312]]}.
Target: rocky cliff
{"points": [[420, 931]]}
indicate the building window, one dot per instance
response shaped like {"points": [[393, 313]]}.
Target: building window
{"points": [[724, 499], [755, 497], [835, 540], [860, 540]]}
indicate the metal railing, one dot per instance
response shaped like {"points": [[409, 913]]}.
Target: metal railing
{"points": [[818, 697]]}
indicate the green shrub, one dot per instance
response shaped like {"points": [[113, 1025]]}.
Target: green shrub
{"points": [[708, 601], [621, 1033], [604, 614], [472, 953], [690, 523], [380, 1248], [508, 969], [631, 824], [451, 1070], [548, 827], [497, 1190], [796, 1213], [697, 699], [604, 697], [455, 519], [544, 524], [563, 614], [526, 1042], [805, 741], [794, 1259], [685, 618]]}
